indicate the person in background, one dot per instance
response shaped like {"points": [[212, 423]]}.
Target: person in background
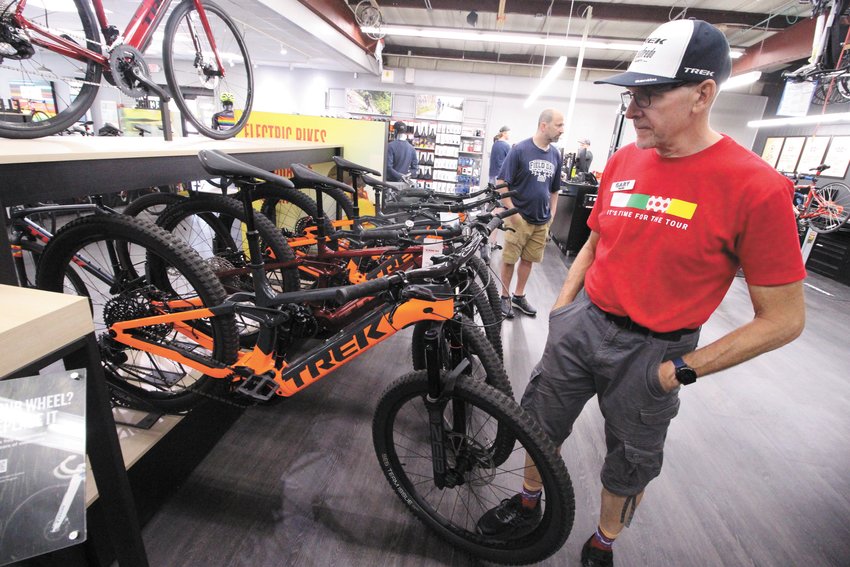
{"points": [[226, 118], [583, 157], [499, 152], [533, 169], [668, 232], [401, 157]]}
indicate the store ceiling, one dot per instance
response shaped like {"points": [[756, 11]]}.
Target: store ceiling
{"points": [[745, 22], [280, 34]]}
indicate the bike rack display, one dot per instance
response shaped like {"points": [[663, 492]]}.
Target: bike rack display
{"points": [[61, 168]]}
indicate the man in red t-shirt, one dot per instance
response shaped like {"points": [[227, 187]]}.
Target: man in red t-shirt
{"points": [[677, 213]]}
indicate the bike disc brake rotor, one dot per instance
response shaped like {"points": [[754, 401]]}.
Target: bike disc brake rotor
{"points": [[122, 60]]}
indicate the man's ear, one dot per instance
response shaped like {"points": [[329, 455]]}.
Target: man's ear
{"points": [[706, 92]]}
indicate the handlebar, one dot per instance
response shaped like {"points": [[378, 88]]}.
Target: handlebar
{"points": [[450, 262]]}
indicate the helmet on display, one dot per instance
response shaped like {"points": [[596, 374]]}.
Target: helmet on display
{"points": [[227, 98]]}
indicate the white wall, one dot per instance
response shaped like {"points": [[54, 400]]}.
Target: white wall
{"points": [[302, 91]]}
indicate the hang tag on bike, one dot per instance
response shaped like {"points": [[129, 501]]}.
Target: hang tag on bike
{"points": [[432, 247], [42, 463], [450, 220]]}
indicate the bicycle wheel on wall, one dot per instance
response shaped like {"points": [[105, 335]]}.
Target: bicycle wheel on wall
{"points": [[156, 272], [192, 71], [830, 206], [74, 83]]}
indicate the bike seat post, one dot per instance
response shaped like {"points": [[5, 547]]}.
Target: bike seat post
{"points": [[321, 235], [356, 201], [256, 260]]}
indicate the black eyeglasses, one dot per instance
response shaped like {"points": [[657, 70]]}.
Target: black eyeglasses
{"points": [[643, 96]]}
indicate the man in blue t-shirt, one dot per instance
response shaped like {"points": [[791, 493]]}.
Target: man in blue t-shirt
{"points": [[401, 157], [499, 152], [533, 169]]}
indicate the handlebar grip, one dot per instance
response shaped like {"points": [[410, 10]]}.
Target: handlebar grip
{"points": [[380, 234], [371, 287], [496, 221]]}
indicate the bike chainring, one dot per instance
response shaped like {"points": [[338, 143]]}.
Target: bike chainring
{"points": [[122, 60]]}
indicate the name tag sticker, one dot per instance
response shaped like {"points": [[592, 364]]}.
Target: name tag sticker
{"points": [[623, 185]]}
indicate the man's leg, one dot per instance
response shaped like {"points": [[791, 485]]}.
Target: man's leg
{"points": [[507, 276], [523, 272], [616, 511]]}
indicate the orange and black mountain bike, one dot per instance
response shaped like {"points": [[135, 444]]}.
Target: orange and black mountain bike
{"points": [[450, 444]]}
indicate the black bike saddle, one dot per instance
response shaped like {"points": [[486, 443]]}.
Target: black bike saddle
{"points": [[221, 164]]}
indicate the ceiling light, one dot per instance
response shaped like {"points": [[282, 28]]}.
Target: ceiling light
{"points": [[493, 36], [741, 80], [504, 37], [546, 81], [283, 50], [798, 120]]}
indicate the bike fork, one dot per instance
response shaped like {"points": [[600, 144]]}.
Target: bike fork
{"points": [[439, 395]]}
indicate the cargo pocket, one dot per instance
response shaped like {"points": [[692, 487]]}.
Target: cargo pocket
{"points": [[644, 466]]}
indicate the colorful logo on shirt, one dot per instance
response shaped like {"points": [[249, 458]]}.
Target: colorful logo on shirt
{"points": [[544, 170], [652, 203]]}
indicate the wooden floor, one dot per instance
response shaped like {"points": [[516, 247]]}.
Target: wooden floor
{"points": [[757, 467]]}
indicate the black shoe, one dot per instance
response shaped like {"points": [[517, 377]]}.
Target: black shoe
{"points": [[521, 303], [507, 309], [595, 557], [510, 519]]}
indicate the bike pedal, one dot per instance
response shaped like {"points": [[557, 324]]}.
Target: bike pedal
{"points": [[259, 387]]}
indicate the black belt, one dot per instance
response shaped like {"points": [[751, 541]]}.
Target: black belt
{"points": [[626, 323]]}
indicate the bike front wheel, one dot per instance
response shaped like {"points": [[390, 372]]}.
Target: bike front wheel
{"points": [[202, 64], [75, 82], [829, 208], [474, 482]]}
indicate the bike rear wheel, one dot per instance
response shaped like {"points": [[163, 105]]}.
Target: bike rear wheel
{"points": [[471, 417], [157, 271], [830, 207], [75, 83], [193, 74]]}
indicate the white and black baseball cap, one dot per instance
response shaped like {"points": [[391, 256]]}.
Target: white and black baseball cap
{"points": [[681, 50]]}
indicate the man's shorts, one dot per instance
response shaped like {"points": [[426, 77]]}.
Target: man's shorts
{"points": [[528, 242], [588, 355]]}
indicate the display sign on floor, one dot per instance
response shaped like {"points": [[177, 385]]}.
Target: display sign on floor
{"points": [[42, 464]]}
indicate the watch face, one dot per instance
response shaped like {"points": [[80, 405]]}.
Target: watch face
{"points": [[686, 375]]}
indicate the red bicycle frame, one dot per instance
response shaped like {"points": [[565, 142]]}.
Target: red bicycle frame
{"points": [[137, 34]]}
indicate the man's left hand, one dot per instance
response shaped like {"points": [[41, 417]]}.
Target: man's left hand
{"points": [[667, 377]]}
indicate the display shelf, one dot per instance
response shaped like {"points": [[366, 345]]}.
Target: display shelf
{"points": [[62, 167]]}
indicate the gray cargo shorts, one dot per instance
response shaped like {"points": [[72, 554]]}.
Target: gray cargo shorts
{"points": [[587, 354]]}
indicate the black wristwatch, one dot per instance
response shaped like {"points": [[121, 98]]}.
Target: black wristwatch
{"points": [[684, 373]]}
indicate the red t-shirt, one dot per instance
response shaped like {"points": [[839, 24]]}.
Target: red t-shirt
{"points": [[673, 231]]}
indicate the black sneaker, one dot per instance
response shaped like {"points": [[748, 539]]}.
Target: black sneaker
{"points": [[510, 519], [507, 309], [521, 303], [595, 557]]}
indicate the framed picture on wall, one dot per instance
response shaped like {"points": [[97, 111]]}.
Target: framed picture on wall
{"points": [[790, 154], [813, 153], [837, 157], [360, 101], [437, 107], [772, 147]]}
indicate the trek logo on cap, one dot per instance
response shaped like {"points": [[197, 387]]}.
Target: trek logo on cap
{"points": [[694, 71]]}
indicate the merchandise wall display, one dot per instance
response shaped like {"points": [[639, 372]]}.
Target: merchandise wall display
{"points": [[449, 155]]}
